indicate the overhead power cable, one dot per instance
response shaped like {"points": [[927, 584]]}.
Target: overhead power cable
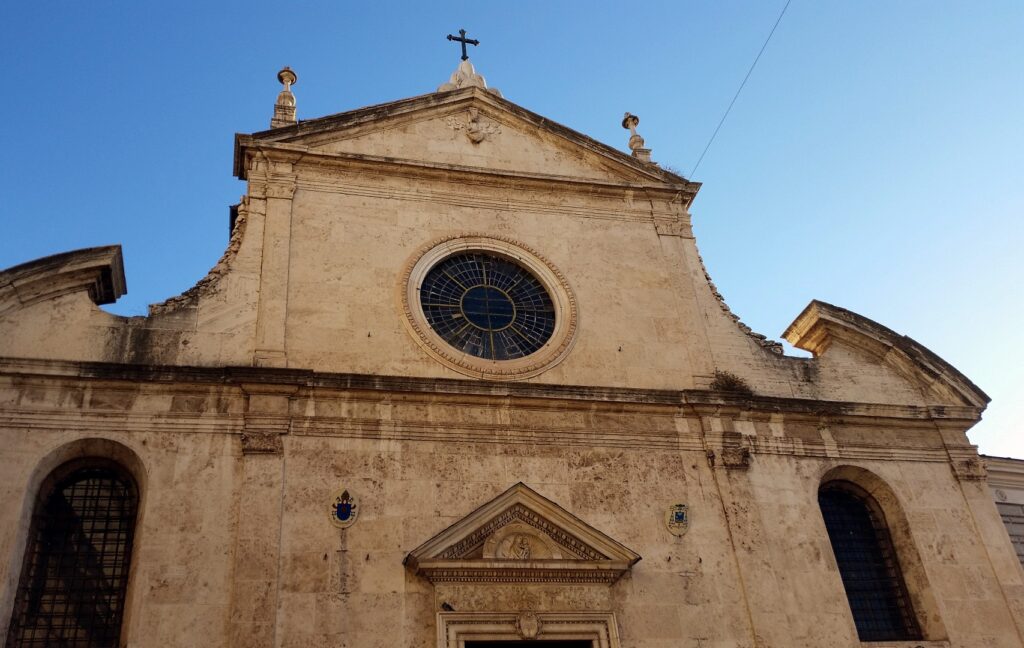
{"points": [[740, 89]]}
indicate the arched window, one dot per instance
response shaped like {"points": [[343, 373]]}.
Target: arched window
{"points": [[75, 573], [868, 564]]}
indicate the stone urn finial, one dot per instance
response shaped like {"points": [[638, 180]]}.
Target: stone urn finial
{"points": [[284, 109], [636, 143]]}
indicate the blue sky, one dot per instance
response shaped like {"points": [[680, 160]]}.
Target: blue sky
{"points": [[872, 161]]}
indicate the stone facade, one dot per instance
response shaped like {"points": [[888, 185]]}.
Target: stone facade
{"points": [[495, 501], [1006, 479]]}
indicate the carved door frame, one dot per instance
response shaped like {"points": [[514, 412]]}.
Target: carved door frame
{"points": [[454, 629]]}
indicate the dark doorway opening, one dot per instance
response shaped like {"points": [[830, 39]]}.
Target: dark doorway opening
{"points": [[573, 643]]}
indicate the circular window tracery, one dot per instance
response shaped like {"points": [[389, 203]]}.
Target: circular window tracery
{"points": [[488, 307]]}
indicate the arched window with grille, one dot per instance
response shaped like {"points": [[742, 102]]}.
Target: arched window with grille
{"points": [[868, 564], [75, 573]]}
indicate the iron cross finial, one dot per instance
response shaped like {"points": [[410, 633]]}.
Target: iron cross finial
{"points": [[465, 41]]}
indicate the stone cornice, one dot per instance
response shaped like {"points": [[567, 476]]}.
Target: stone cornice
{"points": [[499, 571], [1004, 472], [699, 402], [97, 271], [463, 173]]}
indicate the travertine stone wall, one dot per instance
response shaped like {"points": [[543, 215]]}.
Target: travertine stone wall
{"points": [[235, 546], [1006, 481], [313, 272], [288, 373], [622, 298], [179, 446], [1013, 518]]}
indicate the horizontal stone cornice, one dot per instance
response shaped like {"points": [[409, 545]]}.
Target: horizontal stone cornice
{"points": [[541, 571], [234, 424], [694, 402], [377, 164], [1004, 472], [98, 272], [123, 399], [101, 422]]}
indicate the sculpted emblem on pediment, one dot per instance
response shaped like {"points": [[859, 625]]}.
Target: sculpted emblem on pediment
{"points": [[477, 127], [529, 531], [518, 541]]}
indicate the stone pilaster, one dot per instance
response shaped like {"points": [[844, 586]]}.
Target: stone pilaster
{"points": [[672, 224], [738, 520], [256, 585], [277, 188], [972, 477]]}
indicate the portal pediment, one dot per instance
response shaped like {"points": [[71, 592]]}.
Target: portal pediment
{"points": [[521, 536]]}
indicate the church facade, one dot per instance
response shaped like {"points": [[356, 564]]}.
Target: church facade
{"points": [[461, 379]]}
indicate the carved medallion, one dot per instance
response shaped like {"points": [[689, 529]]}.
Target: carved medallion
{"points": [[477, 128], [344, 509], [528, 625], [520, 541], [678, 519], [518, 548]]}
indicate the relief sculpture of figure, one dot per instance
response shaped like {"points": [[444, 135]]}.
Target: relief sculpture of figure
{"points": [[520, 549]]}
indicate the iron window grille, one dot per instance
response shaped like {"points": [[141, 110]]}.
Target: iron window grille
{"points": [[868, 565], [75, 573]]}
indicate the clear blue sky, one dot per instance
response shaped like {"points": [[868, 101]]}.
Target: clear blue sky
{"points": [[873, 160]]}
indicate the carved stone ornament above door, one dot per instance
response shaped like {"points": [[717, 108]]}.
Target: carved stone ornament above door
{"points": [[456, 629], [521, 537]]}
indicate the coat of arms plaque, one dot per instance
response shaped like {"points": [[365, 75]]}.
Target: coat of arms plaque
{"points": [[344, 509], [678, 519]]}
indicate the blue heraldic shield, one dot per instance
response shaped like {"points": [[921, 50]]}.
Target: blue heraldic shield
{"points": [[344, 509]]}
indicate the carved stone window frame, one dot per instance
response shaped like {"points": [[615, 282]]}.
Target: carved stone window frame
{"points": [[454, 629], [562, 297]]}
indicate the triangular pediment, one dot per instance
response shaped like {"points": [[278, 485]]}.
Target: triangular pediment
{"points": [[521, 536], [469, 129]]}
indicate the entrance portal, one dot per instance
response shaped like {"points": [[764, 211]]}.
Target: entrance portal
{"points": [[532, 644], [514, 629]]}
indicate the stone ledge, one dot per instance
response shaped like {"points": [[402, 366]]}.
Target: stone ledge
{"points": [[904, 644], [563, 572], [1004, 472], [97, 271], [449, 171], [367, 428], [694, 400]]}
